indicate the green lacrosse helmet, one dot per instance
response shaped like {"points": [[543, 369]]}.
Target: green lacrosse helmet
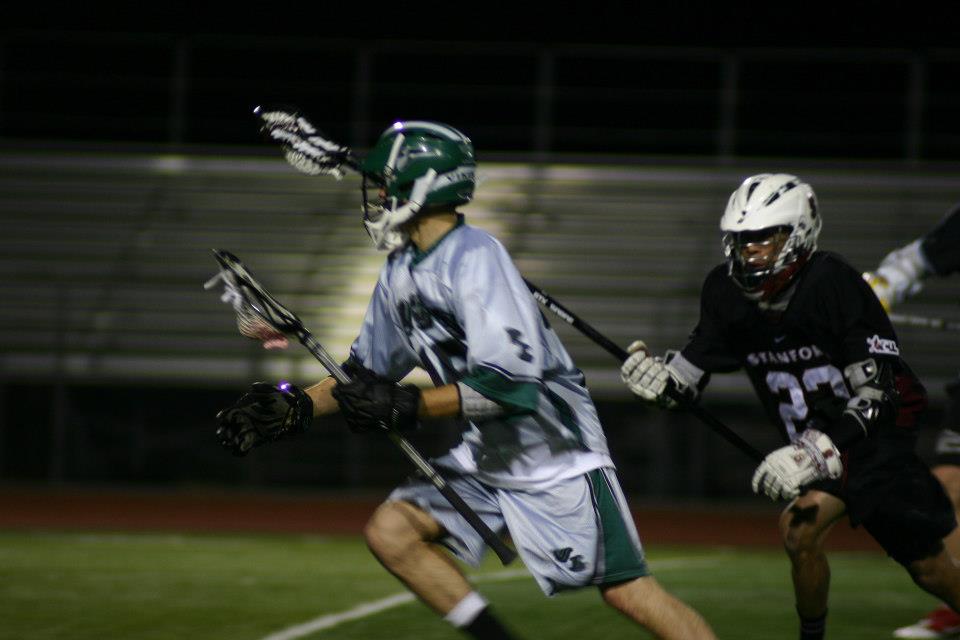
{"points": [[415, 166]]}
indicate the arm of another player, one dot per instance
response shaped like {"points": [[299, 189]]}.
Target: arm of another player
{"points": [[651, 377], [688, 371], [901, 272], [815, 455], [899, 275]]}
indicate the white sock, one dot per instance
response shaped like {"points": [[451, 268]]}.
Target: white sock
{"points": [[466, 610]]}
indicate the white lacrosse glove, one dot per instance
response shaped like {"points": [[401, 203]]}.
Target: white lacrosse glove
{"points": [[648, 376], [811, 457], [899, 275]]}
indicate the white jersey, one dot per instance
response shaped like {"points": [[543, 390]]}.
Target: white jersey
{"points": [[462, 312]]}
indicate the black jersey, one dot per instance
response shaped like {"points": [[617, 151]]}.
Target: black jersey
{"points": [[941, 246], [795, 359]]}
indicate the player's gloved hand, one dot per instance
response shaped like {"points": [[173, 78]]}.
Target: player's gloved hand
{"points": [[900, 274], [370, 403], [881, 288], [649, 376], [264, 414], [784, 472]]}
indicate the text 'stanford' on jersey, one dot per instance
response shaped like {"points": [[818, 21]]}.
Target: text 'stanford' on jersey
{"points": [[795, 360]]}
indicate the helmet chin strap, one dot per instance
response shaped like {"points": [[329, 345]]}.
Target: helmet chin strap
{"points": [[385, 231], [777, 283]]}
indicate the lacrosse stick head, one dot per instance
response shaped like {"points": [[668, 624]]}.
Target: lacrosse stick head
{"points": [[305, 147], [415, 166], [259, 315]]}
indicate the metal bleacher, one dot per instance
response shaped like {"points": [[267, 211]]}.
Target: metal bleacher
{"points": [[104, 256]]}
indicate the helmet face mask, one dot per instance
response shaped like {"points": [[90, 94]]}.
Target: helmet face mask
{"points": [[770, 229], [415, 166], [754, 256]]}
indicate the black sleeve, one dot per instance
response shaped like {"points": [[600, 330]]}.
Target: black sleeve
{"points": [[941, 246], [854, 315], [709, 347]]}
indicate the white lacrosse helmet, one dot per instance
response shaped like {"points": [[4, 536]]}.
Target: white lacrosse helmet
{"points": [[770, 228]]}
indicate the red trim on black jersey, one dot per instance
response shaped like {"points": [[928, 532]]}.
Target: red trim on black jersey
{"points": [[913, 400]]}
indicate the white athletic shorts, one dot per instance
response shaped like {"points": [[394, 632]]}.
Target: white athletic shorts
{"points": [[578, 532]]}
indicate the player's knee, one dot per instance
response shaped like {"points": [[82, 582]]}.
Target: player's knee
{"points": [[799, 532], [614, 597], [925, 574], [936, 574], [949, 477], [637, 598], [390, 531]]}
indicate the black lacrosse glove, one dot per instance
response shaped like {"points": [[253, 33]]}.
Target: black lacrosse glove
{"points": [[370, 403], [263, 414], [356, 371]]}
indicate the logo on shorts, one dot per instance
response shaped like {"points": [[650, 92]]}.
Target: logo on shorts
{"points": [[566, 555], [876, 344]]}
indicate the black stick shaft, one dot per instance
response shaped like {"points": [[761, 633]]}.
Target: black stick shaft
{"points": [[494, 541], [621, 355], [940, 324]]}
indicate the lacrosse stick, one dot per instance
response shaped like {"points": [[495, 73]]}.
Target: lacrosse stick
{"points": [[941, 324], [621, 355], [262, 317], [307, 149]]}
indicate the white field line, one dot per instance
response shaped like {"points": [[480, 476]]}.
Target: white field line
{"points": [[376, 606]]}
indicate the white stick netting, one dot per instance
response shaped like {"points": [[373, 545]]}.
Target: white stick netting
{"points": [[249, 322]]}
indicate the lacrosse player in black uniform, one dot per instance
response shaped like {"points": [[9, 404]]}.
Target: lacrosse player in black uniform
{"points": [[900, 275], [825, 361]]}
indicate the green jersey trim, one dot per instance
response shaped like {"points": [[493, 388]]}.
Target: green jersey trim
{"points": [[622, 560], [516, 397], [419, 256]]}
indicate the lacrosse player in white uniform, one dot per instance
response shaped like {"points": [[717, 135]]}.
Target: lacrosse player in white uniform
{"points": [[533, 461]]}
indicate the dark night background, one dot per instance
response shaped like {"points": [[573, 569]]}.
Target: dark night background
{"points": [[626, 78], [718, 90]]}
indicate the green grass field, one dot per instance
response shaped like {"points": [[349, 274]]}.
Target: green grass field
{"points": [[157, 586]]}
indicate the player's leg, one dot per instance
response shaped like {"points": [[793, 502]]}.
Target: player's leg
{"points": [[946, 464], [804, 526], [939, 575], [641, 598], [910, 524], [405, 533], [579, 532], [949, 477], [647, 603], [402, 536], [943, 621]]}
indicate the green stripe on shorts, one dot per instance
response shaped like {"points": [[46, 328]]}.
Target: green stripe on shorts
{"points": [[622, 558]]}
